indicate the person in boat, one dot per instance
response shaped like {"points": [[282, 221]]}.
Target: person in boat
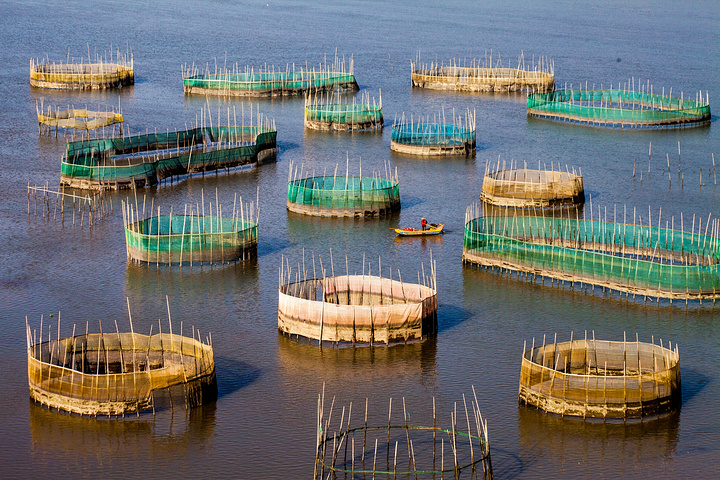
{"points": [[423, 223]]}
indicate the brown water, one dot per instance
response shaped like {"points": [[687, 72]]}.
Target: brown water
{"points": [[262, 425]]}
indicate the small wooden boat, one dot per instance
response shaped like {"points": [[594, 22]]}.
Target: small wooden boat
{"points": [[432, 229]]}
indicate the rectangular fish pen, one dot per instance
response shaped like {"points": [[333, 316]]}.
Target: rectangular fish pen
{"points": [[269, 81], [143, 160], [486, 75], [631, 105], [326, 113], [104, 72], [191, 236], [646, 260]]}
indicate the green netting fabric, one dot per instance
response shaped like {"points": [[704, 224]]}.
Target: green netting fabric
{"points": [[617, 107], [267, 82], [344, 192], [633, 258], [422, 134], [344, 113]]}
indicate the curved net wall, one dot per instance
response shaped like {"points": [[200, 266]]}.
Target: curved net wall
{"points": [[269, 81], [637, 259], [117, 373], [362, 309], [343, 195], [363, 445], [524, 187], [324, 114], [143, 160], [423, 138], [599, 378], [192, 236], [617, 108]]}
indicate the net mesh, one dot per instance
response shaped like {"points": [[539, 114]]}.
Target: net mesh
{"points": [[433, 134], [343, 196], [617, 107], [523, 187], [646, 260], [268, 83], [345, 113], [80, 119], [69, 76], [483, 79], [600, 378]]}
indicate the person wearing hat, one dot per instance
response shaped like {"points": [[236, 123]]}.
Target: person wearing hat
{"points": [[423, 223]]}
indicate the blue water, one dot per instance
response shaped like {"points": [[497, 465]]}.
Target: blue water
{"points": [[262, 425]]}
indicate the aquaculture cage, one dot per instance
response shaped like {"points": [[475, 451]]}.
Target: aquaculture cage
{"points": [[425, 137], [523, 187], [142, 160], [486, 75], [75, 118], [644, 260], [343, 195], [326, 113], [600, 378], [114, 373], [624, 107], [269, 81], [361, 444], [359, 309], [191, 236], [103, 72]]}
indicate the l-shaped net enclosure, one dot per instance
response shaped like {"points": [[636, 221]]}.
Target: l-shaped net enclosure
{"points": [[600, 378], [269, 81], [620, 108], [635, 259], [328, 113], [343, 195], [429, 138], [362, 444], [108, 72], [117, 373], [524, 187], [143, 160], [481, 76], [358, 309], [192, 236]]}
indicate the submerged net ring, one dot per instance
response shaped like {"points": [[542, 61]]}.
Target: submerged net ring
{"points": [[424, 138], [118, 373], [524, 187], [142, 160], [599, 378], [357, 309], [618, 108], [634, 259]]}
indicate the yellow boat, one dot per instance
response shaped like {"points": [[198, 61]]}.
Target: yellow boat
{"points": [[432, 229]]}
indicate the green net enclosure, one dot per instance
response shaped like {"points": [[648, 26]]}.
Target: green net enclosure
{"points": [[269, 81], [430, 137], [631, 105], [636, 259], [485, 75], [114, 372], [192, 236], [143, 160], [522, 187], [361, 443], [325, 112], [359, 309], [343, 195], [110, 71], [600, 378]]}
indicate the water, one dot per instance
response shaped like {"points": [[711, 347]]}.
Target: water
{"points": [[262, 425]]}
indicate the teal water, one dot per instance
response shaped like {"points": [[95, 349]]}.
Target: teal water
{"points": [[262, 425]]}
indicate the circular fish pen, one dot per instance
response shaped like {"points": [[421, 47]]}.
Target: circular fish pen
{"points": [[620, 108], [480, 76], [425, 138], [600, 378], [343, 195], [269, 81], [363, 445], [622, 256], [119, 372], [324, 114], [118, 72], [529, 188], [357, 309], [192, 236]]}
